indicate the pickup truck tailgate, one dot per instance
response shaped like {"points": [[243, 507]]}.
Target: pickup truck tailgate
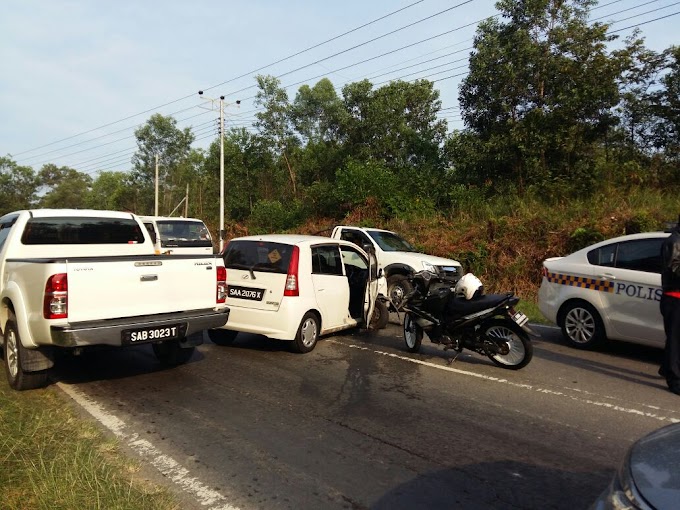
{"points": [[126, 287]]}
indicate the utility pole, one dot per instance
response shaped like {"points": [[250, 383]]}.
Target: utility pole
{"points": [[186, 202], [221, 109], [156, 202]]}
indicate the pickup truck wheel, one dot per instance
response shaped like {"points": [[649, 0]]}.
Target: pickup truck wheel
{"points": [[398, 286], [14, 352], [381, 315], [222, 336], [307, 334], [170, 354]]}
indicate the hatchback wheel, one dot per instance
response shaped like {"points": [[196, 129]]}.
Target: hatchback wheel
{"points": [[581, 325], [307, 333]]}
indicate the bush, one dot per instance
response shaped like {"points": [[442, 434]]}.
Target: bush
{"points": [[640, 222], [271, 216], [582, 237]]}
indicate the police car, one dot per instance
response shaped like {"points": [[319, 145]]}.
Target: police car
{"points": [[610, 290]]}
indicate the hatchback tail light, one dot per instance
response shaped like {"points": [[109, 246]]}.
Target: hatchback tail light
{"points": [[55, 301], [221, 294], [292, 288]]}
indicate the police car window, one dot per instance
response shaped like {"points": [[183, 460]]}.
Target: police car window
{"points": [[641, 255], [604, 256], [326, 260]]}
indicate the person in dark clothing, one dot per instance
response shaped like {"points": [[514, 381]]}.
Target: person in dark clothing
{"points": [[670, 308]]}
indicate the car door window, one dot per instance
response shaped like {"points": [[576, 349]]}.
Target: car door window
{"points": [[356, 237], [352, 258], [604, 256], [326, 260], [640, 255]]}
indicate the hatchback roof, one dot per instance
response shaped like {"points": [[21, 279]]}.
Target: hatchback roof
{"points": [[288, 239]]}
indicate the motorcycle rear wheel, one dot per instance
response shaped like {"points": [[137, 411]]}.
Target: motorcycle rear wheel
{"points": [[521, 349], [413, 334]]}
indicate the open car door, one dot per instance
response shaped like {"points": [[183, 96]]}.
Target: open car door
{"points": [[371, 293]]}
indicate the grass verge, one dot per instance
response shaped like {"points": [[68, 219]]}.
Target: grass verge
{"points": [[52, 459]]}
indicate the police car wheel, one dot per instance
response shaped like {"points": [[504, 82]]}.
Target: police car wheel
{"points": [[581, 325]]}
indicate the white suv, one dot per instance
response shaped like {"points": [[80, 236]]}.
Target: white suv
{"points": [[297, 288], [397, 258]]}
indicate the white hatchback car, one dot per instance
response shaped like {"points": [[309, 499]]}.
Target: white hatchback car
{"points": [[610, 290], [297, 288]]}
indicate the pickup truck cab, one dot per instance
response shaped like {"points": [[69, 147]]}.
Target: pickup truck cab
{"points": [[397, 258], [71, 279], [178, 236]]}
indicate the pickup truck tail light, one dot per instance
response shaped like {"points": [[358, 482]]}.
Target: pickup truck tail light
{"points": [[55, 302], [221, 295], [292, 288]]}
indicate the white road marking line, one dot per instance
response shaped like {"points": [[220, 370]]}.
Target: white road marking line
{"points": [[529, 387], [145, 449]]}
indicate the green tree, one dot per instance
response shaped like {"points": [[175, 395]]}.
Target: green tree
{"points": [[160, 136], [18, 186], [396, 124], [539, 95], [668, 132], [63, 187], [112, 191], [317, 115], [275, 125], [640, 93]]}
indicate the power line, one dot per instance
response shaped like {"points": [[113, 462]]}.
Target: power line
{"points": [[384, 54], [645, 22], [214, 86]]}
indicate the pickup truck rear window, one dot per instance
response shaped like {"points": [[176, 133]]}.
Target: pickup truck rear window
{"points": [[258, 256], [82, 231]]}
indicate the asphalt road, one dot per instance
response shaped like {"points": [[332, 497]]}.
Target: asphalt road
{"points": [[360, 423]]}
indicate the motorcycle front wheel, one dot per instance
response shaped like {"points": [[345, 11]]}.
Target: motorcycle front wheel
{"points": [[504, 331], [413, 334]]}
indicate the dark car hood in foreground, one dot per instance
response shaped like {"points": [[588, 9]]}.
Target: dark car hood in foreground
{"points": [[655, 466]]}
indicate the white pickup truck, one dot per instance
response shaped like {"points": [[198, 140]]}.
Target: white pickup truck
{"points": [[77, 278], [397, 258]]}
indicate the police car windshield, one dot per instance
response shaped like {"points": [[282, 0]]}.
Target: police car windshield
{"points": [[389, 241]]}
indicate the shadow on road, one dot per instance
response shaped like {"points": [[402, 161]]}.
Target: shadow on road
{"points": [[500, 485], [110, 363]]}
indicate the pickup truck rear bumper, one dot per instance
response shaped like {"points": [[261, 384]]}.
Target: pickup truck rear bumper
{"points": [[111, 331]]}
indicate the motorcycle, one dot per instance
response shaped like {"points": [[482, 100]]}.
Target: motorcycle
{"points": [[487, 324]]}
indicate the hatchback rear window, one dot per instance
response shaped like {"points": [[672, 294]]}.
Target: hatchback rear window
{"points": [[258, 256], [82, 231]]}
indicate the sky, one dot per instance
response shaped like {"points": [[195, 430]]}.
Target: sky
{"points": [[79, 76]]}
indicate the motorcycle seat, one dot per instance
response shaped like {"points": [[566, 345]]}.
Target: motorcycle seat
{"points": [[459, 307]]}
